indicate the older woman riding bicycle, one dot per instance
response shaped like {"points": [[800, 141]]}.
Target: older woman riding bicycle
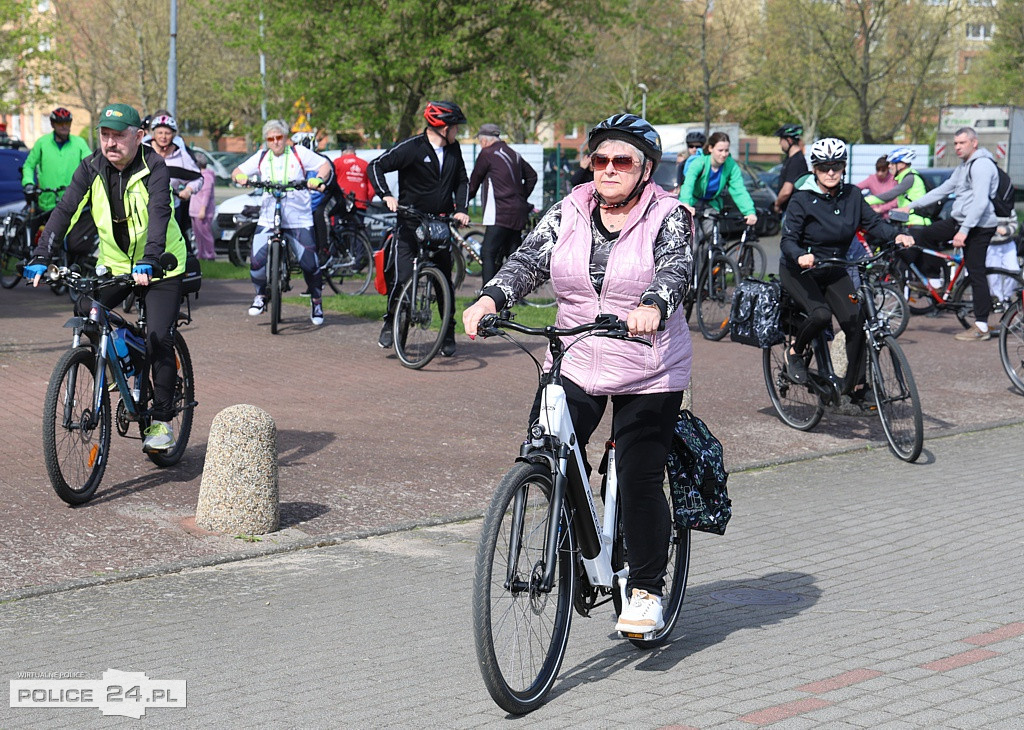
{"points": [[619, 245]]}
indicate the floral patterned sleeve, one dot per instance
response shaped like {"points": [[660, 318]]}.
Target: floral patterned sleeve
{"points": [[673, 260], [530, 265]]}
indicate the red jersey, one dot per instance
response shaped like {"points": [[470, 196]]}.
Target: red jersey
{"points": [[351, 173]]}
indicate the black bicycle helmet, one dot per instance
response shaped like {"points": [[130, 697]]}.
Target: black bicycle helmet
{"points": [[628, 128], [60, 115], [693, 138], [791, 131], [443, 114]]}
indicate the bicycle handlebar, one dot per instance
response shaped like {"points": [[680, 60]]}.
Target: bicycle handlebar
{"points": [[606, 325], [863, 263], [272, 186], [76, 280]]}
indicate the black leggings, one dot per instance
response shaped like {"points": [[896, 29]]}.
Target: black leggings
{"points": [[821, 294], [642, 428], [163, 298], [498, 245]]}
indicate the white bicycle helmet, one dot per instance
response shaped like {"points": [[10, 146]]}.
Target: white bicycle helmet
{"points": [[828, 150], [901, 154], [306, 139]]}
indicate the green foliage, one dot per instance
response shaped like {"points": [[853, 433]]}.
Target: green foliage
{"points": [[998, 76], [25, 55]]}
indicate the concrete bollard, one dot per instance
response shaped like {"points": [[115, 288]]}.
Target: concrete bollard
{"points": [[238, 493]]}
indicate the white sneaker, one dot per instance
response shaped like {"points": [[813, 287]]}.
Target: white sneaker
{"points": [[159, 437], [642, 614], [317, 314], [259, 306]]}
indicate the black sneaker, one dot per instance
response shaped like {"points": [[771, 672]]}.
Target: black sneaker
{"points": [[864, 398], [448, 346], [796, 367], [387, 338]]}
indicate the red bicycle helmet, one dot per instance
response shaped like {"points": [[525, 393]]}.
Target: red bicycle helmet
{"points": [[60, 115], [443, 114]]}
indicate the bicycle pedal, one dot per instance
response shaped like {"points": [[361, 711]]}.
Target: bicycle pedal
{"points": [[643, 637]]}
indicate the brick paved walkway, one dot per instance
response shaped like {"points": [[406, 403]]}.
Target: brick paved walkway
{"points": [[367, 445], [850, 591]]}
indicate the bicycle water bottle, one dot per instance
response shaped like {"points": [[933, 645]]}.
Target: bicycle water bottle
{"points": [[119, 336]]}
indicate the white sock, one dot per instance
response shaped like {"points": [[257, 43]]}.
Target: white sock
{"points": [[983, 326]]}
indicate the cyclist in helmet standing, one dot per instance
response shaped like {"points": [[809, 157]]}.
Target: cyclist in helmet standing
{"points": [[822, 217], [909, 185], [432, 179], [620, 245], [186, 177], [52, 161], [794, 166]]}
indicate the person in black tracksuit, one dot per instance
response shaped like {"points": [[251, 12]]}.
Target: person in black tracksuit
{"points": [[430, 185], [822, 217]]}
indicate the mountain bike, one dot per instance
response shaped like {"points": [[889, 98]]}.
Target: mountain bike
{"points": [[748, 254], [543, 550], [279, 256], [77, 413], [715, 277], [418, 331], [1011, 342], [348, 262], [896, 400]]}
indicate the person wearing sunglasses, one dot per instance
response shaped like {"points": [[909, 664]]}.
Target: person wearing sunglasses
{"points": [[711, 175], [822, 218], [619, 245], [284, 163], [125, 187], [695, 142]]}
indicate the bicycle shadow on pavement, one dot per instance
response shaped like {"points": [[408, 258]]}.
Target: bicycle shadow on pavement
{"points": [[188, 469], [710, 614], [294, 446]]}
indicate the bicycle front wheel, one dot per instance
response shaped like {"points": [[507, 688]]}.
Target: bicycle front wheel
{"points": [[521, 631], [899, 406], [749, 257], [892, 308], [11, 255], [963, 294], [352, 268], [183, 404], [422, 317], [714, 297], [76, 441], [458, 266], [797, 405], [274, 278], [1011, 344]]}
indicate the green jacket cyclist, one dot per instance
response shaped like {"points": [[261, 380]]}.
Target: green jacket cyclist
{"points": [[126, 188], [909, 184], [712, 174]]}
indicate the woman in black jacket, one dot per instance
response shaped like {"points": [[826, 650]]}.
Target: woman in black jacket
{"points": [[822, 218]]}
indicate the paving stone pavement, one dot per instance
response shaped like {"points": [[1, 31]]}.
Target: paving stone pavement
{"points": [[850, 591]]}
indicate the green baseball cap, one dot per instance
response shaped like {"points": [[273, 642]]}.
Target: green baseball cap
{"points": [[119, 116]]}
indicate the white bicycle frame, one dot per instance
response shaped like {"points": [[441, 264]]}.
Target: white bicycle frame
{"points": [[555, 419]]}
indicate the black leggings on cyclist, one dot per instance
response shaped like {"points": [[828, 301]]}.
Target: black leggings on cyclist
{"points": [[498, 245], [642, 428], [822, 293], [937, 236], [163, 297]]}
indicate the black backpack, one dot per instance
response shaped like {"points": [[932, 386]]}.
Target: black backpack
{"points": [[931, 210], [1002, 201]]}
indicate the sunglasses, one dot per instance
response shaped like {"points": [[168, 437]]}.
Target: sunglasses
{"points": [[831, 167], [693, 146], [621, 163], [275, 138]]}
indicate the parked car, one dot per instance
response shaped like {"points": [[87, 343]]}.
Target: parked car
{"points": [[731, 224], [935, 176], [11, 161], [222, 175]]}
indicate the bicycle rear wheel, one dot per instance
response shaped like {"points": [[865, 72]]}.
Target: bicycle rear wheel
{"points": [[351, 268], [183, 404], [422, 317], [474, 264], [274, 279], [749, 257], [11, 252], [542, 296], [458, 265], [899, 406], [962, 297], [892, 308], [1011, 344], [677, 571], [520, 631], [797, 405], [714, 297], [75, 453]]}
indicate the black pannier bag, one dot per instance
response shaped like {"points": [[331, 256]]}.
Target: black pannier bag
{"points": [[754, 319], [697, 477]]}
